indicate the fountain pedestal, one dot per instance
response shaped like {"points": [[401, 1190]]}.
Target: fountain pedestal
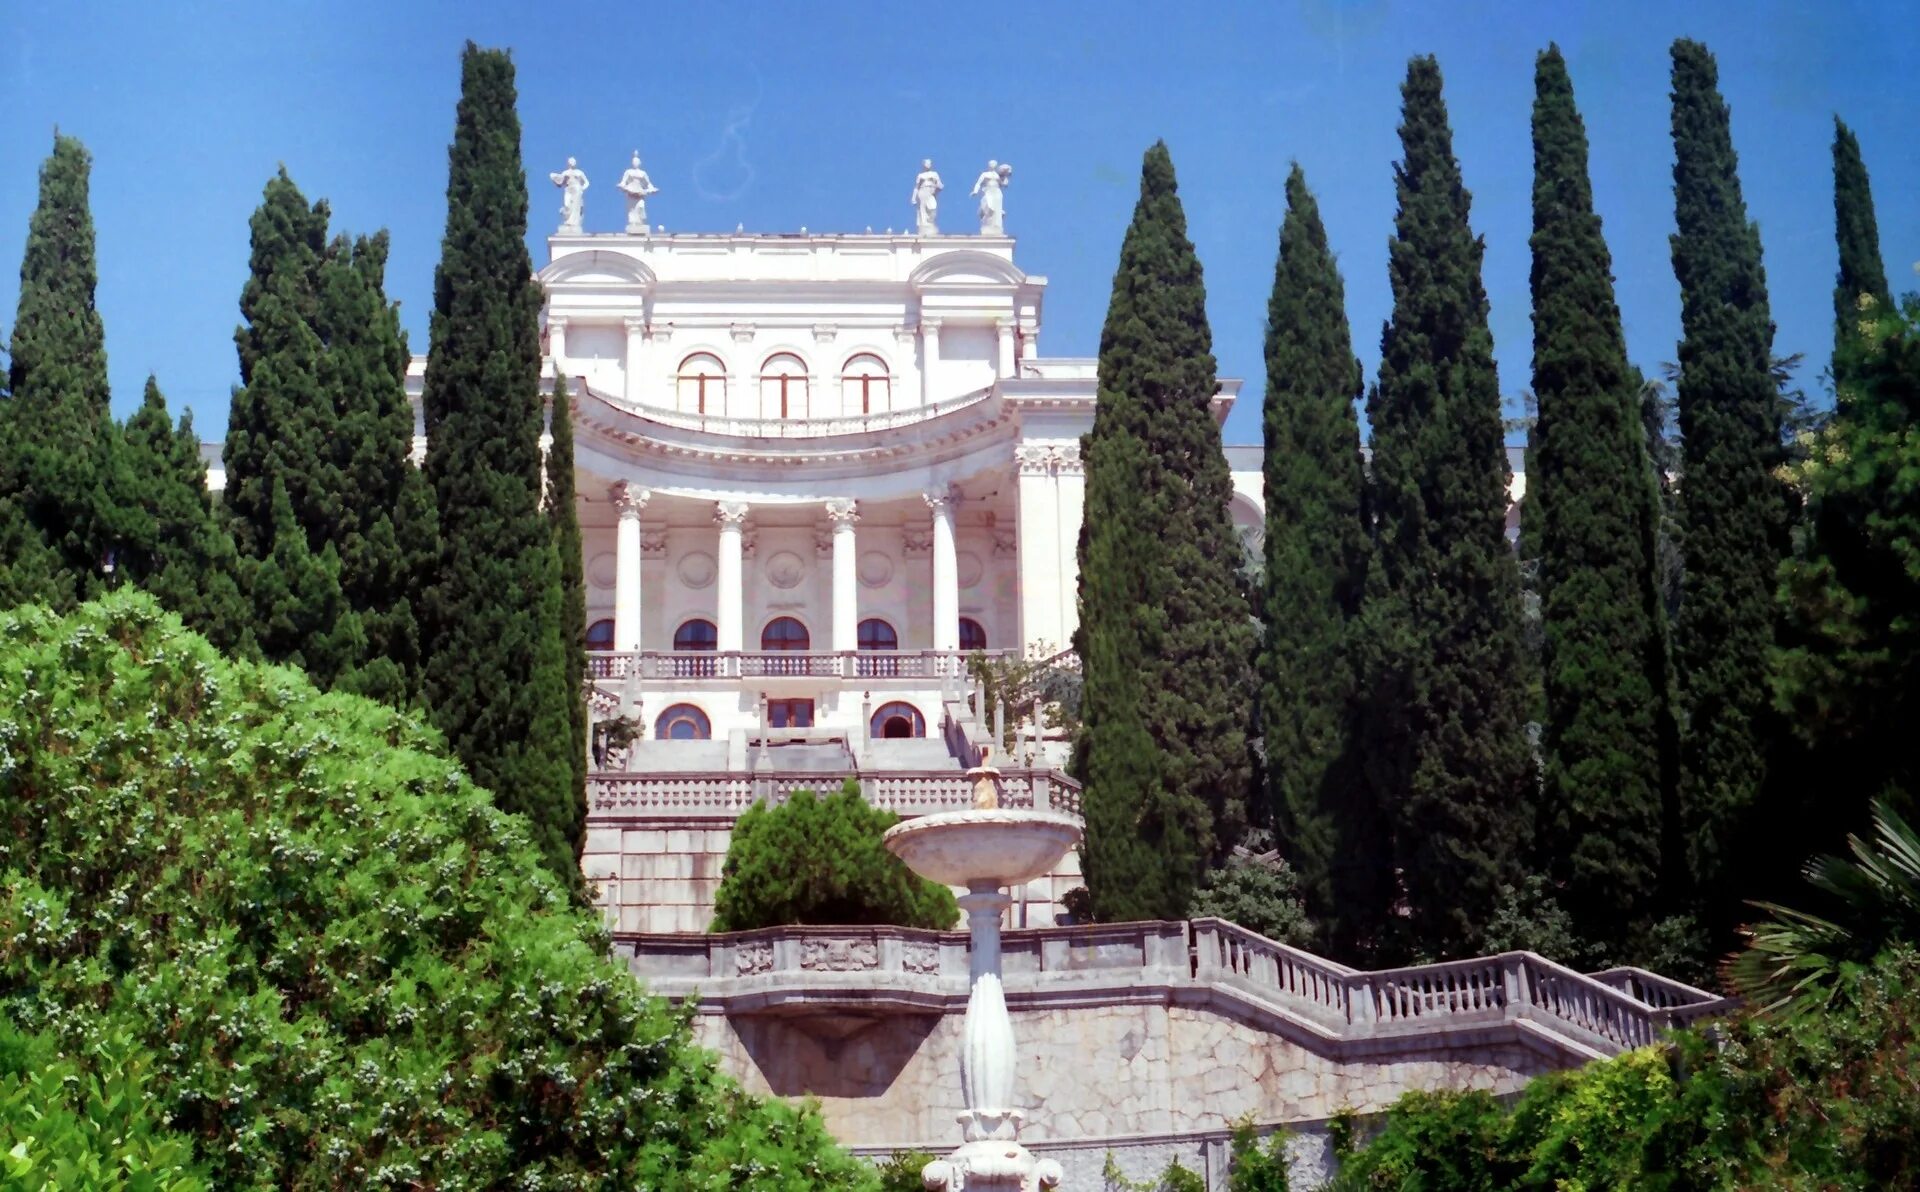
{"points": [[986, 850]]}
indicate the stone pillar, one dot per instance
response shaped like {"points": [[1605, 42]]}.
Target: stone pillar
{"points": [[1005, 328], [730, 594], [637, 362], [1036, 545], [557, 344], [946, 572], [843, 513], [1070, 475], [929, 357], [629, 500]]}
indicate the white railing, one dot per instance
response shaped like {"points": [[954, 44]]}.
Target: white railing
{"points": [[762, 664], [728, 793], [800, 428], [1346, 1004]]}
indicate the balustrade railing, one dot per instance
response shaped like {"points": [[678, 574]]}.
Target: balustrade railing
{"points": [[907, 792], [1392, 1003], [755, 664]]}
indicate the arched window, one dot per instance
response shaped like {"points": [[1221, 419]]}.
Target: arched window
{"points": [[784, 633], [865, 387], [694, 637], [600, 635], [682, 722], [973, 635], [877, 636], [898, 720], [702, 387], [783, 387]]}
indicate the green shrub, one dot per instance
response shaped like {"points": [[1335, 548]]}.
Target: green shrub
{"points": [[1256, 1168], [814, 860], [1822, 1100], [1259, 896], [901, 1172], [1173, 1178], [338, 964], [65, 1124]]}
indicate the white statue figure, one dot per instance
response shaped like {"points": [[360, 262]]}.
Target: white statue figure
{"points": [[926, 200], [993, 208], [636, 186], [573, 199]]}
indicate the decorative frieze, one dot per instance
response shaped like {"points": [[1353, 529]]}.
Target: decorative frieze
{"points": [[839, 956], [753, 958]]}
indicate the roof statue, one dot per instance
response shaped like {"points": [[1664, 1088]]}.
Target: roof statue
{"points": [[926, 200], [573, 198], [636, 186], [993, 208]]}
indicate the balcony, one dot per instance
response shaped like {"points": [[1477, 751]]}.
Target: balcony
{"points": [[724, 794], [785, 664]]}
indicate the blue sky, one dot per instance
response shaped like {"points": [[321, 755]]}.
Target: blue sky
{"points": [[779, 116]]}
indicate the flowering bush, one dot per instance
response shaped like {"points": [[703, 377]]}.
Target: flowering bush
{"points": [[335, 962]]}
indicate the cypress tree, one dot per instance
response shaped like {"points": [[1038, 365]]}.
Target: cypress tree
{"points": [[1448, 751], [301, 616], [279, 421], [181, 551], [564, 516], [60, 437], [1863, 274], [1316, 553], [1166, 639], [363, 374], [1608, 739], [1732, 511], [496, 674]]}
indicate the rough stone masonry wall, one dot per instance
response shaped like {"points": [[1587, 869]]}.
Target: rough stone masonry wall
{"points": [[1125, 1076], [659, 875]]}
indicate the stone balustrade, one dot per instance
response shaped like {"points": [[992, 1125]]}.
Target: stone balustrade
{"points": [[763, 664], [1206, 961], [797, 428], [726, 794]]}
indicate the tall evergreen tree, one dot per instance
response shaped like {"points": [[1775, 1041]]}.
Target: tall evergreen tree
{"points": [[1447, 745], [280, 418], [1609, 739], [564, 517], [1863, 274], [1732, 511], [371, 514], [301, 616], [60, 440], [496, 678], [1165, 639], [179, 549], [1323, 812]]}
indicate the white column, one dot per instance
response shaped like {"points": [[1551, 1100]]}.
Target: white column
{"points": [[1005, 328], [730, 595], [843, 513], [557, 344], [1037, 544], [946, 573], [629, 499], [929, 357], [1071, 477], [637, 362]]}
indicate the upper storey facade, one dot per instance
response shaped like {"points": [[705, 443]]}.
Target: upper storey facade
{"points": [[791, 335]]}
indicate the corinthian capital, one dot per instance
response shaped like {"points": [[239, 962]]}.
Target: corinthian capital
{"points": [[942, 501], [1034, 459], [629, 499], [843, 511], [730, 513]]}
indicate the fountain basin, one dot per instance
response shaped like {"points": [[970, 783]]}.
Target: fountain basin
{"points": [[998, 847]]}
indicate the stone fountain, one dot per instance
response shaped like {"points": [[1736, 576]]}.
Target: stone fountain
{"points": [[985, 850]]}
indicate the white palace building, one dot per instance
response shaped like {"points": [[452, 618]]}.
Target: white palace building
{"points": [[816, 473]]}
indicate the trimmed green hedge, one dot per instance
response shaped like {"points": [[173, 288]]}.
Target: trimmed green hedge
{"points": [[334, 962], [818, 860]]}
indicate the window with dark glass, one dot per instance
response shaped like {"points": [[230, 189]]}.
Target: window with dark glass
{"points": [[898, 719], [682, 722], [600, 635], [784, 633], [973, 635]]}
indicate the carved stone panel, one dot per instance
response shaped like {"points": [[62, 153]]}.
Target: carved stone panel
{"points": [[753, 958], [920, 958], [839, 956]]}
